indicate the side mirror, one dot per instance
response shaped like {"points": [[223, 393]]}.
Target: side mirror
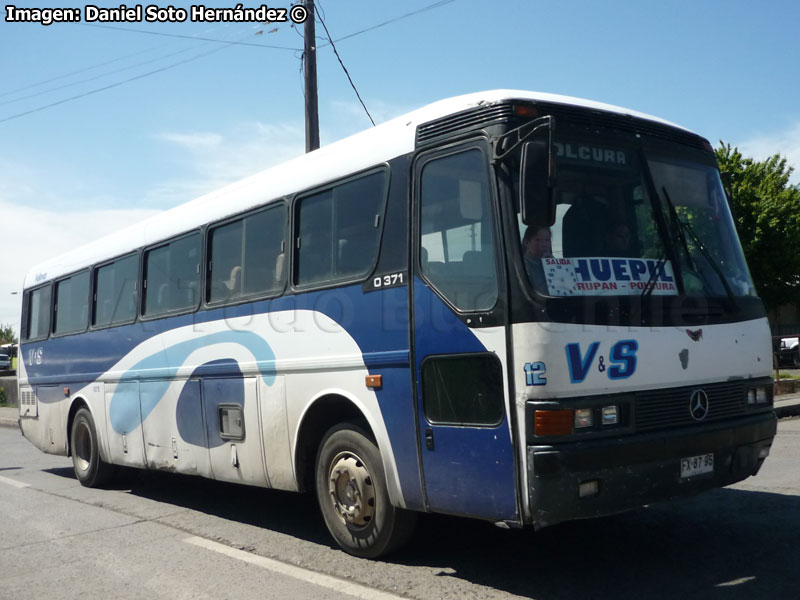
{"points": [[537, 184]]}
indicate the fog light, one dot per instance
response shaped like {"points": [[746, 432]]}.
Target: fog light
{"points": [[763, 453], [761, 395], [583, 418], [751, 396], [589, 488], [610, 415]]}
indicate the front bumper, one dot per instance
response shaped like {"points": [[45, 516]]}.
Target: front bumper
{"points": [[641, 469]]}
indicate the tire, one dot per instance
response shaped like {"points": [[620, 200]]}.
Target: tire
{"points": [[90, 470], [352, 495], [796, 359]]}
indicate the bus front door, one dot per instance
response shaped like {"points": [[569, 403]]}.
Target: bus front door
{"points": [[465, 438]]}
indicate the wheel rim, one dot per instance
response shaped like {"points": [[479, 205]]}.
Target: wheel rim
{"points": [[82, 450], [351, 490]]}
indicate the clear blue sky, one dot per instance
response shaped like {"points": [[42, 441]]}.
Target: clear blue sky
{"points": [[85, 167]]}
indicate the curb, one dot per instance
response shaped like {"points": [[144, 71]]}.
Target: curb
{"points": [[784, 412]]}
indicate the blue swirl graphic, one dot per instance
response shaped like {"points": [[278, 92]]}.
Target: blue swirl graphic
{"points": [[127, 410]]}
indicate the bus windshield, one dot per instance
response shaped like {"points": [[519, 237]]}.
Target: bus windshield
{"points": [[633, 221]]}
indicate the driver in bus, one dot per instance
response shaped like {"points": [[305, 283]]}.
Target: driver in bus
{"points": [[536, 245], [618, 240]]}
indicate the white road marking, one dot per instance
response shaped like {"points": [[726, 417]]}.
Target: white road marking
{"points": [[14, 482], [333, 583]]}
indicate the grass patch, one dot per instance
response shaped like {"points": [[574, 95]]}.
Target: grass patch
{"points": [[788, 376]]}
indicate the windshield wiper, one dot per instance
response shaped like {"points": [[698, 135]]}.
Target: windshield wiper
{"points": [[682, 226], [651, 282]]}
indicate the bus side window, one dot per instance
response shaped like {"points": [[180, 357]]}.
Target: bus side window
{"points": [[172, 274], [339, 230], [72, 304], [243, 256], [115, 292]]}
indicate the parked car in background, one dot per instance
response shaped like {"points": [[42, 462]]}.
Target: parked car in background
{"points": [[5, 362], [788, 350]]}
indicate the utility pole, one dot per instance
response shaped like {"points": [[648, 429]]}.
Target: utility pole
{"points": [[310, 63]]}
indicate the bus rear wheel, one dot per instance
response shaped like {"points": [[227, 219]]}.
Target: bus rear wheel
{"points": [[352, 495], [90, 470]]}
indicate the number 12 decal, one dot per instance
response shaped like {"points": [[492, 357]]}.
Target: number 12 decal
{"points": [[534, 373]]}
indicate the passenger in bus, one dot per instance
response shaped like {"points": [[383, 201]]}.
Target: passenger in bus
{"points": [[279, 263], [584, 227], [536, 245], [234, 283], [618, 240]]}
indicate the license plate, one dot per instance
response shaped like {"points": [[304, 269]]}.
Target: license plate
{"points": [[697, 465]]}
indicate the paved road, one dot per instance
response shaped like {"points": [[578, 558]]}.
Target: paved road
{"points": [[158, 536]]}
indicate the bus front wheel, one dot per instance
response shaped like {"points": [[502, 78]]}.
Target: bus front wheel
{"points": [[90, 470], [352, 494]]}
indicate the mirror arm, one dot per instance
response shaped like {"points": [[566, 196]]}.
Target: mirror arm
{"points": [[505, 144], [551, 157]]}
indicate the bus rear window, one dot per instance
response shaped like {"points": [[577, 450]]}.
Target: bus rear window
{"points": [[37, 319]]}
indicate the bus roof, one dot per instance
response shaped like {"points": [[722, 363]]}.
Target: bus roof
{"points": [[352, 154]]}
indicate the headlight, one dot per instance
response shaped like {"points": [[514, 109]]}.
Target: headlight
{"points": [[761, 395], [584, 417], [610, 415]]}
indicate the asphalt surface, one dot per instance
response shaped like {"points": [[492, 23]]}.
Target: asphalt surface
{"points": [[161, 536]]}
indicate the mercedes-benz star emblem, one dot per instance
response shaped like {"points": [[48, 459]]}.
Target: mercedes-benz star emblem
{"points": [[698, 405]]}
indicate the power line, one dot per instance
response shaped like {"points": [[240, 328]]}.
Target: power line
{"points": [[350, 79], [393, 20], [74, 83], [191, 37], [92, 67], [97, 66], [227, 44], [346, 37], [91, 92], [117, 84]]}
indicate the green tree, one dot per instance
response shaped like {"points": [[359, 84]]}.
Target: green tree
{"points": [[7, 334], [766, 207]]}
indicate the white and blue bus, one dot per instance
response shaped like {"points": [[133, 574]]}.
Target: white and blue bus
{"points": [[369, 321]]}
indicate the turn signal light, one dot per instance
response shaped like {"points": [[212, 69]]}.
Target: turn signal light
{"points": [[552, 422]]}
